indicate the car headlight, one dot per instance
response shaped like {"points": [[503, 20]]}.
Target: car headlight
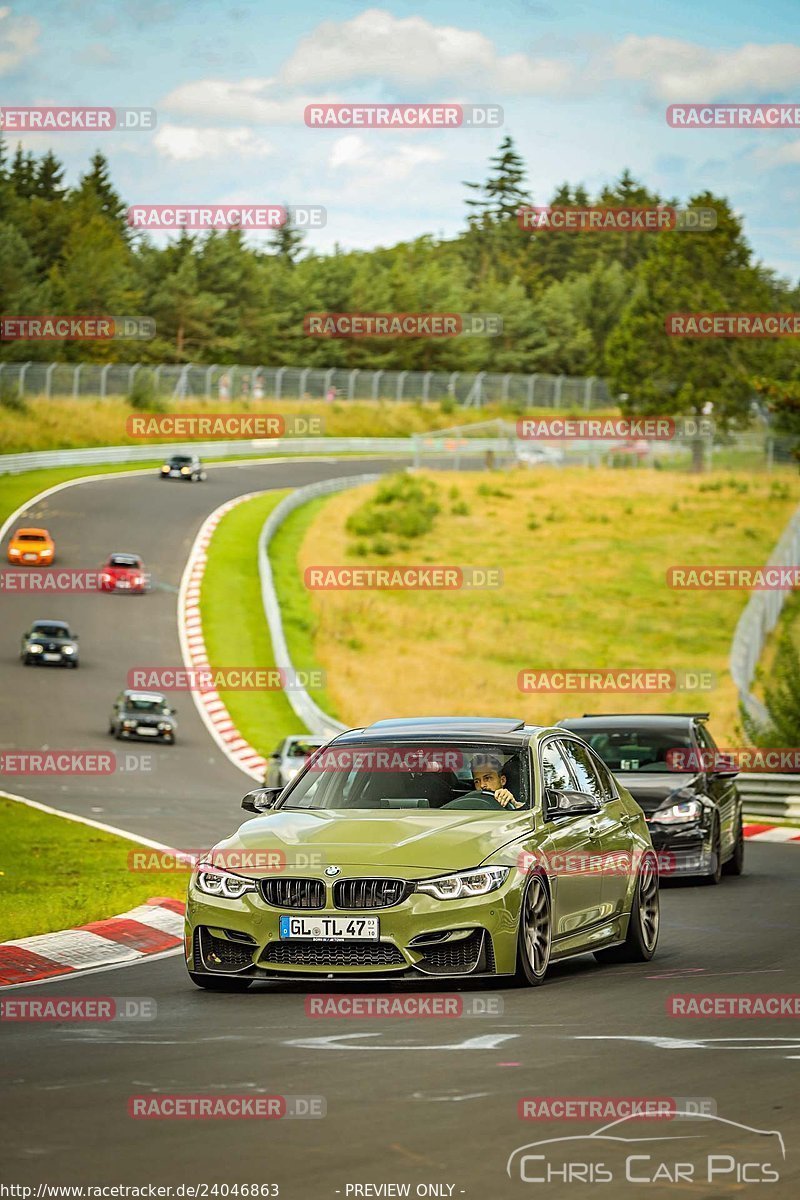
{"points": [[34, 648], [185, 470], [678, 814], [216, 882], [164, 726], [465, 883], [68, 649], [129, 724], [14, 552], [165, 470]]}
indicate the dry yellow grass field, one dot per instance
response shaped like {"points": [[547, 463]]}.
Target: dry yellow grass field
{"points": [[584, 556]]}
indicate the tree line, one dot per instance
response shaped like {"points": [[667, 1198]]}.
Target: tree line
{"points": [[571, 303]]}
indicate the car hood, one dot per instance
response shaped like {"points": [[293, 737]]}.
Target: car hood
{"points": [[383, 840], [652, 791], [145, 718], [42, 639]]}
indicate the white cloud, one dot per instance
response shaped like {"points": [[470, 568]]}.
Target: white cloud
{"points": [[674, 70], [411, 51], [18, 38], [189, 143], [393, 166], [236, 100], [783, 155]]}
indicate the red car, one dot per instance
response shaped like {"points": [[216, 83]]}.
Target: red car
{"points": [[123, 573]]}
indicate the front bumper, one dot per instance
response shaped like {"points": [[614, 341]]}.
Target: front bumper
{"points": [[419, 938], [165, 736], [682, 851]]}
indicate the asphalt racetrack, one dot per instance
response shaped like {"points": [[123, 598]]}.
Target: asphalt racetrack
{"points": [[424, 1102]]}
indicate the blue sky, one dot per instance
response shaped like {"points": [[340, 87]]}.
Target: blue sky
{"points": [[583, 86]]}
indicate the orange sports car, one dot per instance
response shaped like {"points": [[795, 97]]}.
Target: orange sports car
{"points": [[34, 547]]}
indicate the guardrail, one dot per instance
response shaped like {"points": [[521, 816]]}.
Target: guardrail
{"points": [[771, 796], [758, 620], [13, 464], [308, 711]]}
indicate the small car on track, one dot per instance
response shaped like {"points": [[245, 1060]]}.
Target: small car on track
{"points": [[51, 644], [183, 466], [31, 547], [124, 573], [672, 767], [288, 758], [145, 716], [428, 849]]}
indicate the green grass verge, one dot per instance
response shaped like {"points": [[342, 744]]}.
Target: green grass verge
{"points": [[299, 622], [234, 625], [56, 873]]}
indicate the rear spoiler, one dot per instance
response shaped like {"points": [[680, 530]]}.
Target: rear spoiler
{"points": [[698, 716]]}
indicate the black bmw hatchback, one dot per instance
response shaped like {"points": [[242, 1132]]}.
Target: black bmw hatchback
{"points": [[673, 769]]}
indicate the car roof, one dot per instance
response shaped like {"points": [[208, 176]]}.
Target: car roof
{"points": [[32, 529], [503, 730], [134, 694], [50, 621]]}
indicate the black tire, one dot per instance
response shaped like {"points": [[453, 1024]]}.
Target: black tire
{"points": [[219, 983], [643, 925], [535, 933], [735, 864], [713, 877]]}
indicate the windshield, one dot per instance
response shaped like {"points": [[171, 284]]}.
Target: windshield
{"points": [[636, 749], [51, 631], [124, 560], [145, 704], [179, 460], [31, 537], [477, 777]]}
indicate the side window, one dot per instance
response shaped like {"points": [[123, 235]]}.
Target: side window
{"points": [[610, 789], [555, 772], [585, 770]]}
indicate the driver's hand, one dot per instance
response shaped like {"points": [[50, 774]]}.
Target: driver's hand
{"points": [[504, 798]]}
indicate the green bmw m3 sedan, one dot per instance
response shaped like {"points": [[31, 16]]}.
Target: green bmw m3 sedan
{"points": [[432, 848]]}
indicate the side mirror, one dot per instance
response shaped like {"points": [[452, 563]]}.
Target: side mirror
{"points": [[75, 637], [569, 803], [727, 773], [260, 799]]}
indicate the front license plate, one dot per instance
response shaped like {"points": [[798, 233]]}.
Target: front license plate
{"points": [[143, 731], [331, 929], [30, 557], [51, 657], [122, 583], [174, 474]]}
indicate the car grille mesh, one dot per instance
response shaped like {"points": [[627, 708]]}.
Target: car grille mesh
{"points": [[369, 893], [221, 955], [455, 956], [334, 954], [294, 893]]}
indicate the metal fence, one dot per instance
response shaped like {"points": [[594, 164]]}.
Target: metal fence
{"points": [[770, 796], [758, 620], [220, 382]]}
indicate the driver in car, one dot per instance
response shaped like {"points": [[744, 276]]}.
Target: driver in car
{"points": [[489, 782]]}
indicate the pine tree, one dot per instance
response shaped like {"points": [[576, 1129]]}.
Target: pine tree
{"points": [[96, 187], [49, 178]]}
